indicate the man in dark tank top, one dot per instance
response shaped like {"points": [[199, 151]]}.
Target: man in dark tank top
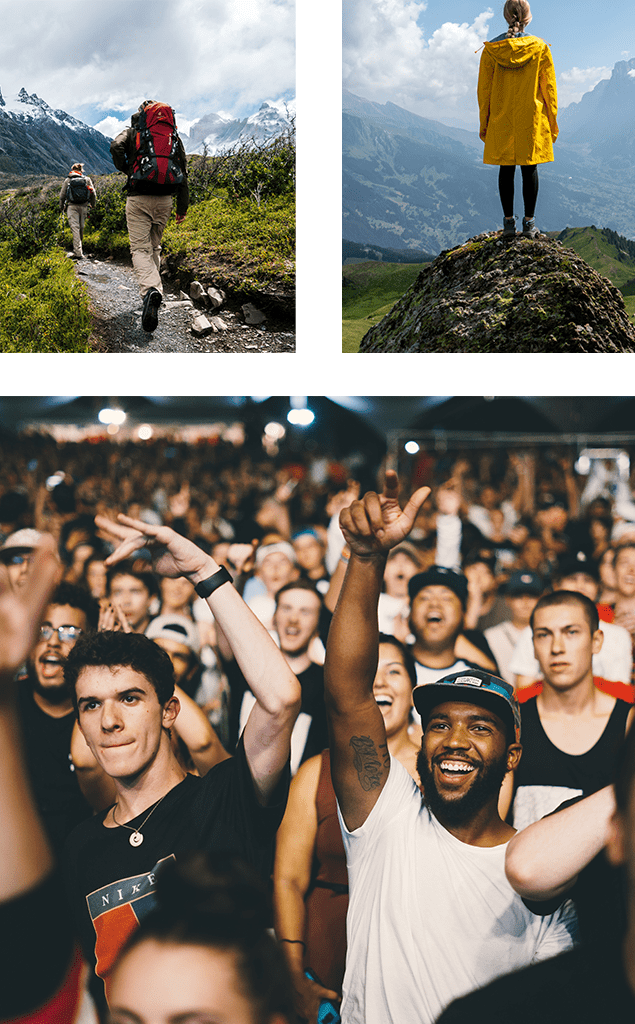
{"points": [[571, 730]]}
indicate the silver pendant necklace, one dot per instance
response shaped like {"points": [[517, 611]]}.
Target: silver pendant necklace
{"points": [[136, 838]]}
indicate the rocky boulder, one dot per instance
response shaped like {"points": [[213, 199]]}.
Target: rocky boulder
{"points": [[512, 295]]}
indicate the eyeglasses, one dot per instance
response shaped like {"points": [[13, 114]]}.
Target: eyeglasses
{"points": [[66, 634], [16, 559]]}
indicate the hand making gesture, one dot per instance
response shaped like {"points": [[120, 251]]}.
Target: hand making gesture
{"points": [[172, 554], [376, 523]]}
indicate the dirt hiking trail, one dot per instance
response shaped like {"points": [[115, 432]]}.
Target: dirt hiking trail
{"points": [[116, 308]]}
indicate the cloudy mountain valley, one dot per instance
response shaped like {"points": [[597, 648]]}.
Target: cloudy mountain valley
{"points": [[413, 183]]}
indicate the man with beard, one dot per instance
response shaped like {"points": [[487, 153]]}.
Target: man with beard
{"points": [[431, 914], [438, 598], [48, 715]]}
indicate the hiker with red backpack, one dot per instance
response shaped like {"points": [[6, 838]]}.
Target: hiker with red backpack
{"points": [[151, 153], [77, 195]]}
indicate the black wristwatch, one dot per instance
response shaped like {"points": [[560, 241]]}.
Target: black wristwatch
{"points": [[207, 587]]}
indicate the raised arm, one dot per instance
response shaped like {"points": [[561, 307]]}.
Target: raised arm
{"points": [[359, 754], [275, 687], [24, 850], [544, 860]]}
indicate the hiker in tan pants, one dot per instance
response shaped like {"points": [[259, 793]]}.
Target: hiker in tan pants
{"points": [[151, 153]]}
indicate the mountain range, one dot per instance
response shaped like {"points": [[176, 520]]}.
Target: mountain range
{"points": [[217, 132], [36, 139], [413, 183], [220, 131]]}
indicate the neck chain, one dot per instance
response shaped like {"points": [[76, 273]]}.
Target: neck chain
{"points": [[136, 838]]}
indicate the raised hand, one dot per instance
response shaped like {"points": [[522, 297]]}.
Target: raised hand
{"points": [[21, 610], [448, 497], [111, 617], [376, 523], [172, 554]]}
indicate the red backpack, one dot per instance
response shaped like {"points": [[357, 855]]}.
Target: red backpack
{"points": [[156, 144]]}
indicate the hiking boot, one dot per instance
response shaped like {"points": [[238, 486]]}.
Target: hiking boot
{"points": [[529, 227], [509, 227], [149, 316]]}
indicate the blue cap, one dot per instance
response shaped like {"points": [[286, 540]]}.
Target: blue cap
{"points": [[474, 686]]}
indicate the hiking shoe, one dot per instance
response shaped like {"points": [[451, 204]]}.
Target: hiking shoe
{"points": [[509, 227], [149, 316], [529, 227]]}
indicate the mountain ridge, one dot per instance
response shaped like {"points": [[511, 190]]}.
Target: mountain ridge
{"points": [[413, 183], [36, 139]]}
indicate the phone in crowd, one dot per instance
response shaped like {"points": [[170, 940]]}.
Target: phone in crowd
{"points": [[328, 1012]]}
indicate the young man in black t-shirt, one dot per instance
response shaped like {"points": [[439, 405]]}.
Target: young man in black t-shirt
{"points": [[47, 715], [124, 690], [571, 730]]}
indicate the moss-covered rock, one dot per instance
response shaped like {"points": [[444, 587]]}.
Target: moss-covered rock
{"points": [[512, 295]]}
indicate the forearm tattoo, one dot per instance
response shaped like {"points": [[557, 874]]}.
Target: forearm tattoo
{"points": [[367, 763]]}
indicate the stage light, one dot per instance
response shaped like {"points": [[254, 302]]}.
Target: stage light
{"points": [[411, 447], [300, 417], [116, 416], [275, 431]]}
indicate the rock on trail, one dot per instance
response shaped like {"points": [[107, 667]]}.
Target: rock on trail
{"points": [[116, 307]]}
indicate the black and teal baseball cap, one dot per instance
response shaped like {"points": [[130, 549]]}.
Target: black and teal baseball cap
{"points": [[473, 686]]}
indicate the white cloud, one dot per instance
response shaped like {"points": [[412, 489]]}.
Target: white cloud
{"points": [[574, 83], [110, 127], [198, 55], [387, 57]]}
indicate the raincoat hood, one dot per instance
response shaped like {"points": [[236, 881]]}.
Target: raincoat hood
{"points": [[515, 53], [518, 101]]}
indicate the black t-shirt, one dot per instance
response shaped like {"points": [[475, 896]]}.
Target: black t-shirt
{"points": [[111, 884], [47, 743], [582, 986], [312, 685]]}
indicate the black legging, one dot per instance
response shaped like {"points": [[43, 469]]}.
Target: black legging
{"points": [[530, 189]]}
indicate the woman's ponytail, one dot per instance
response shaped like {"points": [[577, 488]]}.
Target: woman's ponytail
{"points": [[517, 14]]}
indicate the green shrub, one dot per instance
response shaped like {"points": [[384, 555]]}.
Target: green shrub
{"points": [[247, 171], [29, 223], [43, 307]]}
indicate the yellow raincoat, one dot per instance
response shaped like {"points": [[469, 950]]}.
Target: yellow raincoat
{"points": [[518, 102]]}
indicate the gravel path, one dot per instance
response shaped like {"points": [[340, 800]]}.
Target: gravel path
{"points": [[116, 308]]}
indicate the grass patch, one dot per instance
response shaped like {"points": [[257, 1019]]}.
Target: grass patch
{"points": [[43, 307], [629, 302], [256, 240], [369, 291]]}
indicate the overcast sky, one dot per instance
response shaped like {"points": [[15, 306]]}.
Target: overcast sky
{"points": [[420, 55], [95, 59]]}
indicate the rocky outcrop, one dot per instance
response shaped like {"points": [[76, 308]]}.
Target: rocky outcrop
{"points": [[512, 295]]}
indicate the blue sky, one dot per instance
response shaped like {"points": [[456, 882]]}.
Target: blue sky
{"points": [[95, 59], [420, 55]]}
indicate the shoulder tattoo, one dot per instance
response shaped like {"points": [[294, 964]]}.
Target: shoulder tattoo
{"points": [[367, 763]]}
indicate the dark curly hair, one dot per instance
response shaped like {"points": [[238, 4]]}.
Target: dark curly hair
{"points": [[130, 650], [77, 597]]}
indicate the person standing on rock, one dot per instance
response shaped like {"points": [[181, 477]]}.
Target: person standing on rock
{"points": [[151, 153], [518, 105], [77, 195]]}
